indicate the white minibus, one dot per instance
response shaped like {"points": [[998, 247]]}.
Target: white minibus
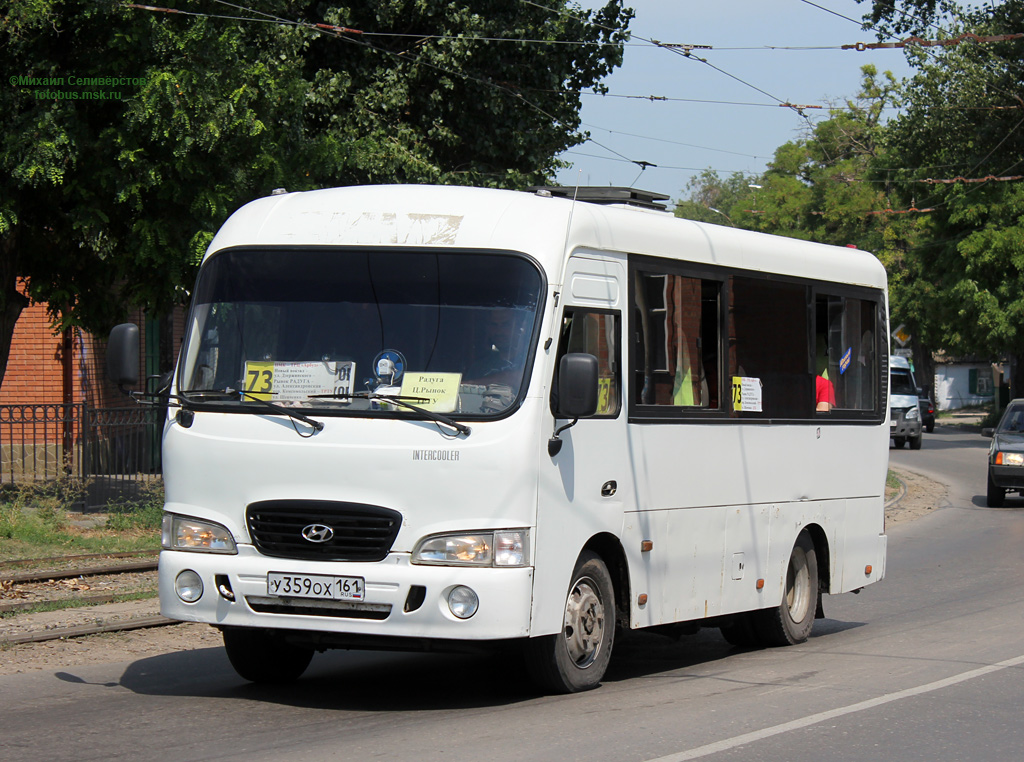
{"points": [[415, 417]]}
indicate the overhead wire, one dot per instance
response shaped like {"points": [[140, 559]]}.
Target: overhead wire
{"points": [[684, 50]]}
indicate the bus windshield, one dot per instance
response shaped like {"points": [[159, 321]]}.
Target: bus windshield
{"points": [[338, 329]]}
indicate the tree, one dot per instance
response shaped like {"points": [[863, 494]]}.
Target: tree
{"points": [[128, 136], [817, 188], [960, 136]]}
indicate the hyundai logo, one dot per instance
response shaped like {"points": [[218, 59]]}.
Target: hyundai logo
{"points": [[317, 533]]}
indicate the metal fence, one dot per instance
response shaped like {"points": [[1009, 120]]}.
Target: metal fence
{"points": [[111, 452]]}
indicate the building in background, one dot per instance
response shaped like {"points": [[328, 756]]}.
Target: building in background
{"points": [[60, 417]]}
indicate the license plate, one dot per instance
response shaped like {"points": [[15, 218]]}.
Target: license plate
{"points": [[320, 586]]}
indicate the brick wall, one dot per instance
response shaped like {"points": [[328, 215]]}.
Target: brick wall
{"points": [[34, 373]]}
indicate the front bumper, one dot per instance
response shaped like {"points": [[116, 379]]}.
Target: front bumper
{"points": [[901, 427], [1007, 477], [401, 600]]}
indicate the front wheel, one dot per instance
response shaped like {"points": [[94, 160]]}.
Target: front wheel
{"points": [[898, 442], [996, 495], [576, 658], [791, 621], [915, 442], [261, 656]]}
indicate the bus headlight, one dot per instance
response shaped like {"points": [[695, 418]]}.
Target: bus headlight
{"points": [[185, 533], [913, 414], [504, 548]]}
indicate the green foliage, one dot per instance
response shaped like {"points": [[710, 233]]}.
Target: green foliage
{"points": [[968, 266], [35, 522], [145, 512], [108, 204]]}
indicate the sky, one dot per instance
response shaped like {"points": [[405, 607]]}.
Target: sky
{"points": [[684, 137]]}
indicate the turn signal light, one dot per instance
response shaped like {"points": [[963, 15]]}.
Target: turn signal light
{"points": [[867, 570]]}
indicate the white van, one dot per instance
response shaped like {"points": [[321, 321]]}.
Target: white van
{"points": [[414, 417], [905, 423]]}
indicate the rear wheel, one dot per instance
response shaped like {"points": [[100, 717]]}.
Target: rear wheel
{"points": [[576, 658], [791, 621], [262, 656], [996, 495]]}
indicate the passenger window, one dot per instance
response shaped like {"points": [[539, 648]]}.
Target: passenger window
{"points": [[846, 354], [676, 338], [768, 353], [595, 333]]}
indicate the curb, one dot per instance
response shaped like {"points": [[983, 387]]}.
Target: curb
{"points": [[900, 495]]}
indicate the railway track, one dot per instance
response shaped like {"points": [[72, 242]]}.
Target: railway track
{"points": [[11, 578]]}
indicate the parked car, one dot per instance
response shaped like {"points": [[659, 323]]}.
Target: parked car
{"points": [[927, 410], [904, 405], [1006, 454]]}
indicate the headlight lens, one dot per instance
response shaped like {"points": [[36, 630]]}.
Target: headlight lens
{"points": [[505, 548], [189, 586], [913, 414], [185, 533], [1009, 459]]}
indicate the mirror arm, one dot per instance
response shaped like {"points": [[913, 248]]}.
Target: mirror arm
{"points": [[555, 443]]}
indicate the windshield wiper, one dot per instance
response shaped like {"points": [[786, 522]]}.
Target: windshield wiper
{"points": [[229, 393], [460, 428]]}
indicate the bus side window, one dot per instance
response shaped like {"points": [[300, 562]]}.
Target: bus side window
{"points": [[676, 337], [846, 354], [595, 333]]}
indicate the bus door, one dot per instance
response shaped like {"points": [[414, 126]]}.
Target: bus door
{"points": [[584, 486]]}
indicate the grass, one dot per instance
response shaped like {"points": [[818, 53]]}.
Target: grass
{"points": [[892, 481], [36, 521]]}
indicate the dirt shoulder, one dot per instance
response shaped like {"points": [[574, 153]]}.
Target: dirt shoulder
{"points": [[917, 497]]}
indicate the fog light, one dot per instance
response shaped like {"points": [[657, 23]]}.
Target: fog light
{"points": [[189, 586], [463, 602]]}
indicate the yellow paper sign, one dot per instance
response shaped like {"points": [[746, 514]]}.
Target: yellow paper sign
{"points": [[259, 379], [441, 390]]}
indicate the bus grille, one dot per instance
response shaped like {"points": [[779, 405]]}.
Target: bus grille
{"points": [[322, 530]]}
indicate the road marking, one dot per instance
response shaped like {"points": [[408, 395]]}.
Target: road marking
{"points": [[757, 735]]}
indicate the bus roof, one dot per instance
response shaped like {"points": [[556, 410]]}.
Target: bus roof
{"points": [[540, 224]]}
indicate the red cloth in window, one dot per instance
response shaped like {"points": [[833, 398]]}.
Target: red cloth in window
{"points": [[824, 391]]}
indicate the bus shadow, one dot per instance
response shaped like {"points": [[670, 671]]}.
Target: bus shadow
{"points": [[372, 681], [643, 654], [341, 680]]}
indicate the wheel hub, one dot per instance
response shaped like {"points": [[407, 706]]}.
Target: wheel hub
{"points": [[584, 623]]}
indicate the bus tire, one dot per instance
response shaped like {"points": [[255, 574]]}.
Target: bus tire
{"points": [[576, 658], [263, 657], [791, 621]]}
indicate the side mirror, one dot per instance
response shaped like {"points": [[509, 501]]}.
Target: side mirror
{"points": [[988, 432], [123, 355], [577, 385]]}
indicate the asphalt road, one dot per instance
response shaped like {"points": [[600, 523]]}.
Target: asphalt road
{"points": [[926, 665]]}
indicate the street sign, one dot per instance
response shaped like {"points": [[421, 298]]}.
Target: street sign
{"points": [[901, 336]]}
